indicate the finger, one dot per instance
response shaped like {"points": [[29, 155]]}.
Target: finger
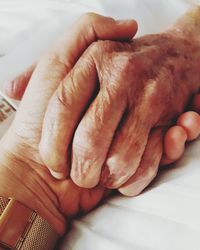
{"points": [[63, 114], [190, 121], [148, 167], [15, 89], [55, 64], [71, 98], [81, 200], [94, 135], [121, 162], [195, 106], [174, 144], [89, 28]]}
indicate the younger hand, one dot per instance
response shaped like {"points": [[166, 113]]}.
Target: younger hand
{"points": [[23, 174]]}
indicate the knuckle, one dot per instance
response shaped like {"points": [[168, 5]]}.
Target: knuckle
{"points": [[84, 142], [111, 60], [86, 149], [125, 62], [63, 95], [96, 48], [151, 89], [153, 93], [104, 47], [89, 17]]}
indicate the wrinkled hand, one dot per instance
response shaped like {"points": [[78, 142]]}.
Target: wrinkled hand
{"points": [[138, 89], [23, 174]]}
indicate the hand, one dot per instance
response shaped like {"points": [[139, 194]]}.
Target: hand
{"points": [[23, 174], [125, 79]]}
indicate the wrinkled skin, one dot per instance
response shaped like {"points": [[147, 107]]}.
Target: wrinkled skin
{"points": [[33, 185], [138, 91], [161, 71], [137, 82]]}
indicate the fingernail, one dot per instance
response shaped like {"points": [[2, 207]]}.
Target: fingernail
{"points": [[110, 180], [106, 178], [135, 188], [58, 175], [112, 176], [132, 191]]}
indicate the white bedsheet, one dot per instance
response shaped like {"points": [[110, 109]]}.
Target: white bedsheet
{"points": [[167, 215]]}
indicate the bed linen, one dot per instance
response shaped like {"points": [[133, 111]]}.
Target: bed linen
{"points": [[166, 216]]}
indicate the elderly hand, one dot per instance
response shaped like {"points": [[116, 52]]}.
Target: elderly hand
{"points": [[23, 174], [121, 132], [138, 89]]}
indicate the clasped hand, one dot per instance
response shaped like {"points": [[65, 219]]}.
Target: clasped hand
{"points": [[95, 116]]}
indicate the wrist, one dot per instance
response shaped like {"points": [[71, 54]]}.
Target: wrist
{"points": [[188, 25], [20, 181]]}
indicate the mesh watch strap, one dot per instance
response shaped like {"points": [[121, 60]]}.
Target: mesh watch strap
{"points": [[21, 228]]}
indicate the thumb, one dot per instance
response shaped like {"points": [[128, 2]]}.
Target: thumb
{"points": [[88, 29], [100, 27]]}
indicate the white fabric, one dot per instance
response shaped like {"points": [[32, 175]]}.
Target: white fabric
{"points": [[166, 215]]}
